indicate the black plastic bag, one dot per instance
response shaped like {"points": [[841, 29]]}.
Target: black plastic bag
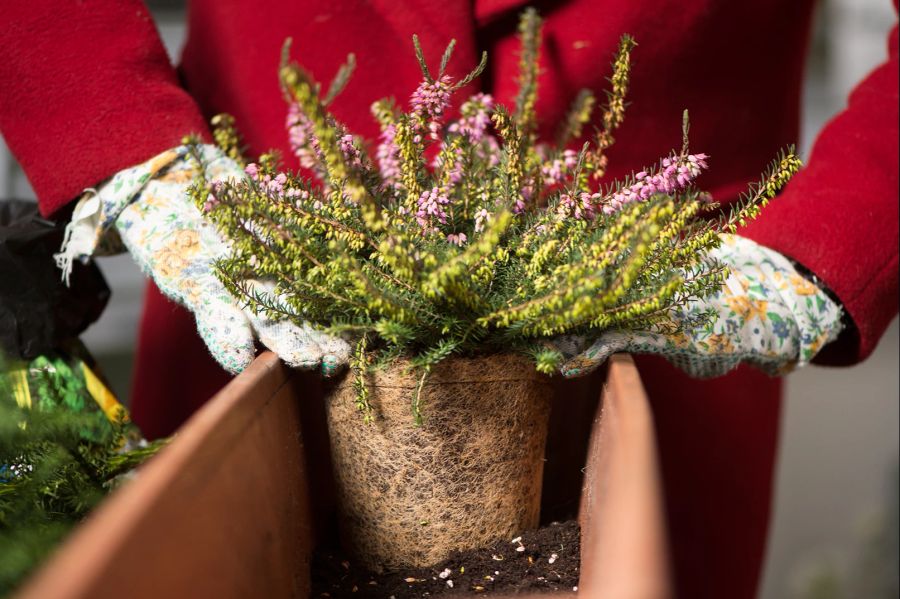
{"points": [[37, 310]]}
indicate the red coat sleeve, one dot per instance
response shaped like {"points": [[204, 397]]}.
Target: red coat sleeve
{"points": [[86, 89], [838, 217]]}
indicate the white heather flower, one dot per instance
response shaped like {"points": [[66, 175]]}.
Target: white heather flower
{"points": [[480, 218]]}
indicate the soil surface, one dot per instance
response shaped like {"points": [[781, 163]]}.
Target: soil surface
{"points": [[542, 560]]}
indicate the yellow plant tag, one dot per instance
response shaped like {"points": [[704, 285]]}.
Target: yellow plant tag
{"points": [[114, 411]]}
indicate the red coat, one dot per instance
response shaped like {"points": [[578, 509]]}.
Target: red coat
{"points": [[87, 90]]}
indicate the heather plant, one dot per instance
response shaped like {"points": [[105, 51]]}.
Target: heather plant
{"points": [[471, 236]]}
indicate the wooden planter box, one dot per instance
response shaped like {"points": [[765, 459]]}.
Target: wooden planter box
{"points": [[233, 506]]}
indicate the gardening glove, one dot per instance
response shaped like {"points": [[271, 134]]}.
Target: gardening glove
{"points": [[765, 314], [146, 210]]}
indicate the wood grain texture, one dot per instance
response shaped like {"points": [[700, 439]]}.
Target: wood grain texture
{"points": [[624, 551]]}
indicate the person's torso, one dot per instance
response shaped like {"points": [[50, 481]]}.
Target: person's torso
{"points": [[736, 66]]}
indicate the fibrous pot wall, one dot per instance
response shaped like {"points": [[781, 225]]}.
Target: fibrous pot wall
{"points": [[470, 473]]}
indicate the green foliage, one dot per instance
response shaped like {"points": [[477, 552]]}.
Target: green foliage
{"points": [[57, 462], [478, 250]]}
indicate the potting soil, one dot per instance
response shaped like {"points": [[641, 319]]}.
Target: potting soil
{"points": [[542, 560]]}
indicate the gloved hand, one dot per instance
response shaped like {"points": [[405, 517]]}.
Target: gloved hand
{"points": [[146, 209], [766, 314]]}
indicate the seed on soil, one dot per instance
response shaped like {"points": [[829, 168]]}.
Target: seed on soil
{"points": [[543, 566]]}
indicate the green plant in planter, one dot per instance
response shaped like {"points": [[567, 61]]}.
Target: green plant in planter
{"points": [[471, 236], [60, 455]]}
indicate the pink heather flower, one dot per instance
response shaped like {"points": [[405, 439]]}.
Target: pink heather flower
{"points": [[350, 151], [490, 150], [457, 239], [210, 203], [528, 192], [475, 118], [519, 206], [481, 217], [556, 171], [552, 173], [474, 123], [274, 186], [431, 206], [212, 200], [303, 141], [305, 144], [252, 170], [388, 156], [581, 207], [675, 173], [428, 104], [299, 196]]}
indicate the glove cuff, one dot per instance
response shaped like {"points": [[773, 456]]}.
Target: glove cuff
{"points": [[817, 313], [90, 231]]}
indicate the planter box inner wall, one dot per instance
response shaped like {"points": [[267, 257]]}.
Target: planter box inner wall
{"points": [[233, 507]]}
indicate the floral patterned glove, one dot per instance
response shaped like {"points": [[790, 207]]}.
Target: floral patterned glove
{"points": [[766, 314], [146, 210]]}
